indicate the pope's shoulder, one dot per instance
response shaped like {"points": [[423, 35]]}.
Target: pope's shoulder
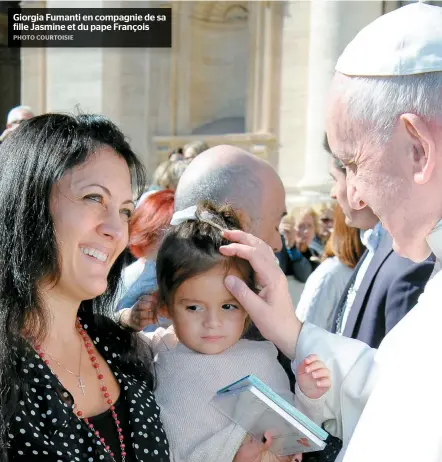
{"points": [[419, 330]]}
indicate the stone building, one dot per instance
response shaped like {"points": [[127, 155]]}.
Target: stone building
{"points": [[251, 73]]}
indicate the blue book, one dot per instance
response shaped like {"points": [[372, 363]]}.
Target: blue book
{"points": [[254, 406]]}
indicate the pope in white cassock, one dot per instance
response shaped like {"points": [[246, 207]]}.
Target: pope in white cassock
{"points": [[384, 123]]}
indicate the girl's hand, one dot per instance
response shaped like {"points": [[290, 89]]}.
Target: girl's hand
{"points": [[313, 377]]}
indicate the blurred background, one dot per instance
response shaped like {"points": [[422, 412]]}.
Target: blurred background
{"points": [[250, 73]]}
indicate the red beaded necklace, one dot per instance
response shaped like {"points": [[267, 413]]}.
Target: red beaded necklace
{"points": [[89, 348]]}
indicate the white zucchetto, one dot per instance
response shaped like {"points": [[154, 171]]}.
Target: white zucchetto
{"points": [[406, 41]]}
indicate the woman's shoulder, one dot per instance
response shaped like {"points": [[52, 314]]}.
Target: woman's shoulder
{"points": [[330, 266]]}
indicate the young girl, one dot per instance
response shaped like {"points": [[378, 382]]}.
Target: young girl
{"points": [[203, 350]]}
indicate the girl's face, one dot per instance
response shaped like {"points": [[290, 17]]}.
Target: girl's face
{"points": [[206, 317]]}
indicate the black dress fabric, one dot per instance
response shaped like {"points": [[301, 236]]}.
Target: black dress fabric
{"points": [[45, 428], [105, 424]]}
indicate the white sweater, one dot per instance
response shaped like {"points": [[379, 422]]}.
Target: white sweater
{"points": [[187, 381]]}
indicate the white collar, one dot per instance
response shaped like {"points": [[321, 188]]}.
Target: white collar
{"points": [[371, 238], [434, 240]]}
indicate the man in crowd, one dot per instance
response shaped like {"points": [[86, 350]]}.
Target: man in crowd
{"points": [[230, 174], [15, 117]]}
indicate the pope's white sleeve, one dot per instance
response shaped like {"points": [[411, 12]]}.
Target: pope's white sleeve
{"points": [[351, 363]]}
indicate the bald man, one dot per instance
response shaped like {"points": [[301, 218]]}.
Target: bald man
{"points": [[228, 174], [15, 117]]}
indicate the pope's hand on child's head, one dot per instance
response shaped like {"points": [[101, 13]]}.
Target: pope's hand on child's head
{"points": [[313, 377], [144, 313]]}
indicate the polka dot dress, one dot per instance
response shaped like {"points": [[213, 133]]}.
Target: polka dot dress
{"points": [[44, 427]]}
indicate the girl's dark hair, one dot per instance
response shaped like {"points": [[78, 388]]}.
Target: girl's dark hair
{"points": [[192, 248], [32, 159]]}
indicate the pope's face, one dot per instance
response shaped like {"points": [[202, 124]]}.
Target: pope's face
{"points": [[396, 179]]}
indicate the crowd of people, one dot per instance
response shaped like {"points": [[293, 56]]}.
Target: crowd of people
{"points": [[101, 359]]}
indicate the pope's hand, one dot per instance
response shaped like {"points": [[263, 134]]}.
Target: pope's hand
{"points": [[271, 309]]}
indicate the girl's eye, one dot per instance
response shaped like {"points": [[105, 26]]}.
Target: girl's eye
{"points": [[193, 308], [229, 307]]}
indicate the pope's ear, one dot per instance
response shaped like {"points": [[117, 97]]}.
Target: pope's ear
{"points": [[423, 147]]}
